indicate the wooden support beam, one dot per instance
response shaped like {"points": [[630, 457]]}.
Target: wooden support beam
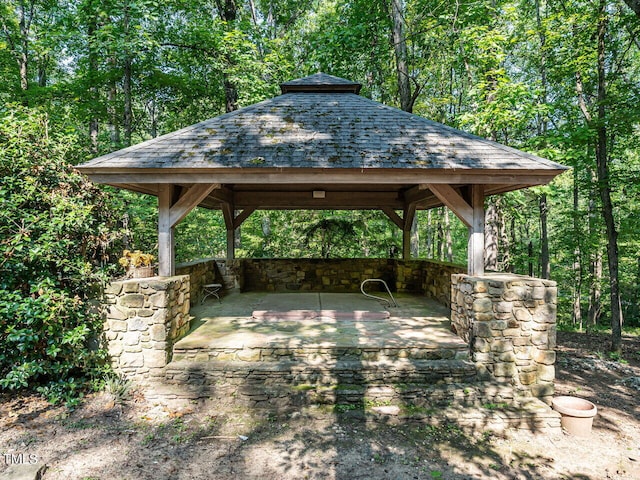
{"points": [[456, 203], [329, 176], [352, 200], [231, 221], [476, 232], [222, 194], [242, 216], [409, 216], [406, 244], [417, 194], [403, 224], [231, 244], [228, 215], [393, 216], [189, 200], [166, 247]]}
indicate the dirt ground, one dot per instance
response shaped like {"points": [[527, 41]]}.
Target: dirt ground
{"points": [[143, 440]]}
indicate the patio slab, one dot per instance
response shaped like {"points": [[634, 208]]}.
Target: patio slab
{"points": [[417, 323]]}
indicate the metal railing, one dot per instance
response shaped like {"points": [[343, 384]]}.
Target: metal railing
{"points": [[386, 302]]}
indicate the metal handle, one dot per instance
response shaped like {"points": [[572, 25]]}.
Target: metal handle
{"points": [[384, 300]]}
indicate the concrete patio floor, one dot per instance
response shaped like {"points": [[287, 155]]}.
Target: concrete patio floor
{"points": [[318, 320]]}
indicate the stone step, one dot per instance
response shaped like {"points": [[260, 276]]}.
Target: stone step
{"points": [[317, 355], [324, 374], [428, 391], [474, 406], [284, 384]]}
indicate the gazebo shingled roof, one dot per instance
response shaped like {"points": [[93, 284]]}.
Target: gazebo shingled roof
{"points": [[320, 136]]}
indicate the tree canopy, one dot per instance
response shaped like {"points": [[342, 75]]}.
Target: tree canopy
{"points": [[85, 77]]}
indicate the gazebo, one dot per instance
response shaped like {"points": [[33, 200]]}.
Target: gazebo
{"points": [[320, 145]]}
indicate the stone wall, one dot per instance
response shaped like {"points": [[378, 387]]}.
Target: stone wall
{"points": [[231, 273], [345, 275], [437, 280], [228, 273], [201, 272], [509, 322], [338, 275], [143, 319]]}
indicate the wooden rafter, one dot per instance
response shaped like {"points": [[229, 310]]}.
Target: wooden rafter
{"points": [[242, 216], [394, 217], [417, 194], [456, 203], [190, 199]]}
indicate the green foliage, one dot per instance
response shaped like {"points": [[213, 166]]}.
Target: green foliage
{"points": [[505, 69], [118, 388], [55, 231]]}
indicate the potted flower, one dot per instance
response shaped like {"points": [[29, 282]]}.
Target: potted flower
{"points": [[137, 264]]}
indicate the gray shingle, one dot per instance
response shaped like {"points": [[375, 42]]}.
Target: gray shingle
{"points": [[323, 130]]}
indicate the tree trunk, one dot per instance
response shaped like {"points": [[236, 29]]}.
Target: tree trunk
{"points": [[634, 5], [595, 258], [23, 57], [228, 12], [595, 293], [415, 238], [128, 110], [515, 246], [42, 71], [440, 240], [491, 231], [544, 238], [114, 129], [543, 122], [577, 255], [230, 94], [153, 114], [126, 83], [93, 73], [577, 290], [504, 255], [400, 49], [266, 232], [429, 234], [447, 237], [604, 185]]}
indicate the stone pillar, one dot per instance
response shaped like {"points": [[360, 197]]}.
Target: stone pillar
{"points": [[510, 324], [144, 318]]}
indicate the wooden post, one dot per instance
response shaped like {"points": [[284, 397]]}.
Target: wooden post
{"points": [[166, 246], [476, 232], [231, 244], [171, 210], [407, 224], [406, 244]]}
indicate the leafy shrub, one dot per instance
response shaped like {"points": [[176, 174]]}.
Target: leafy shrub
{"points": [[55, 232]]}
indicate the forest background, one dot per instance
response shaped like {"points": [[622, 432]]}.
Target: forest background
{"points": [[80, 78]]}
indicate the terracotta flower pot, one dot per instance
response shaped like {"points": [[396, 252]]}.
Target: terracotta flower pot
{"points": [[577, 414]]}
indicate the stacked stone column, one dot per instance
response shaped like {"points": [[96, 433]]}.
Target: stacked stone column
{"points": [[144, 318], [510, 324]]}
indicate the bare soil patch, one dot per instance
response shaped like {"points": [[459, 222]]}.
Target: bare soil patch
{"points": [[143, 440]]}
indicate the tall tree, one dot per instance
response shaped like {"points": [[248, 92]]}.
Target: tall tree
{"points": [[604, 180], [634, 5]]}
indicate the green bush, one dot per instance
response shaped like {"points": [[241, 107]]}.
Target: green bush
{"points": [[55, 233]]}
